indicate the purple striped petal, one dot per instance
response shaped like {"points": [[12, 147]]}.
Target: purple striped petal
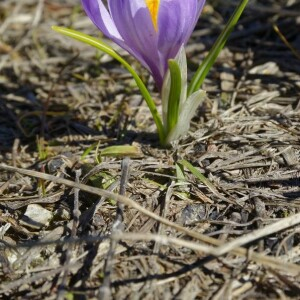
{"points": [[129, 24], [134, 22], [98, 13], [176, 22]]}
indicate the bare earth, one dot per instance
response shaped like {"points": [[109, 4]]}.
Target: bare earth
{"points": [[215, 217]]}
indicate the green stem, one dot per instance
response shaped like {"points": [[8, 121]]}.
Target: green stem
{"points": [[174, 96], [107, 49], [209, 60]]}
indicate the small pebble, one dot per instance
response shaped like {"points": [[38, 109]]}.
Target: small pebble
{"points": [[192, 213], [36, 216]]}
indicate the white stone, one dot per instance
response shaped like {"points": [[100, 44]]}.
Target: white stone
{"points": [[36, 216]]}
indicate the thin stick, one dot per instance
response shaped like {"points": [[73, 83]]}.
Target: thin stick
{"points": [[286, 42], [257, 234], [117, 228], [70, 247], [265, 260]]}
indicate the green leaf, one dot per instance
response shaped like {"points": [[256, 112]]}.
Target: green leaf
{"points": [[199, 176], [196, 173], [110, 51], [165, 92], [87, 151], [179, 172], [203, 179], [174, 96], [209, 60], [121, 151], [188, 110]]}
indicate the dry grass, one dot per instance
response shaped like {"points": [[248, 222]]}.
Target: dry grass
{"points": [[146, 227]]}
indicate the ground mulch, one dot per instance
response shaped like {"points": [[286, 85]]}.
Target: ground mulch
{"points": [[214, 217]]}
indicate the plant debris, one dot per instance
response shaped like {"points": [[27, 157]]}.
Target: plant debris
{"points": [[215, 217]]}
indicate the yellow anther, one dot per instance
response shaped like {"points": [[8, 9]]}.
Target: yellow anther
{"points": [[153, 6]]}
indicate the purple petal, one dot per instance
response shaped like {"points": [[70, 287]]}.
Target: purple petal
{"points": [[129, 24], [98, 13], [176, 22], [133, 20]]}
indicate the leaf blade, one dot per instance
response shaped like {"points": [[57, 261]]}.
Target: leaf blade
{"points": [[209, 60], [174, 96], [96, 43]]}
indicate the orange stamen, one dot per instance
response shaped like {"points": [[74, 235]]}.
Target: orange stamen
{"points": [[153, 6]]}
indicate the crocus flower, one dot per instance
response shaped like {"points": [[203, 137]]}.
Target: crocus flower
{"points": [[152, 31]]}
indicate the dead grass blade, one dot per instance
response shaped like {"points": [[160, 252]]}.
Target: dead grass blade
{"points": [[264, 260]]}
